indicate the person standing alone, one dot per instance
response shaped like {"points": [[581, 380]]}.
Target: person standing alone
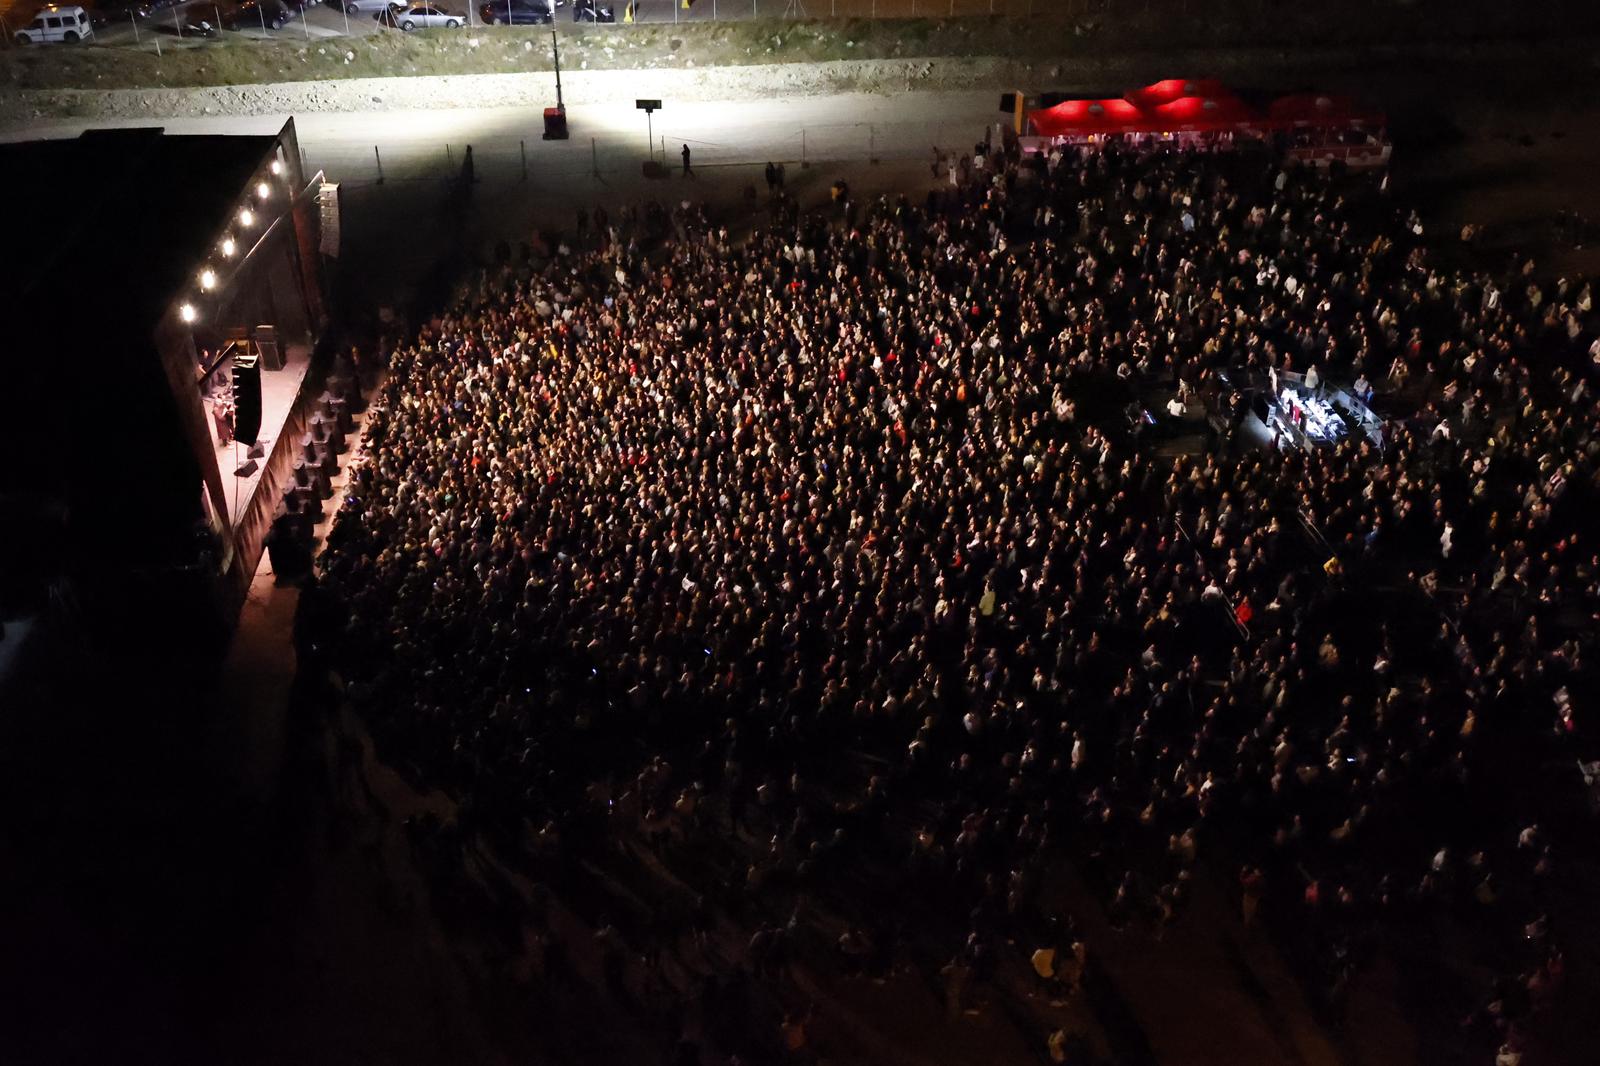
{"points": [[686, 171]]}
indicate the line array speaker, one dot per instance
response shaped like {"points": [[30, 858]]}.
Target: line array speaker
{"points": [[246, 398]]}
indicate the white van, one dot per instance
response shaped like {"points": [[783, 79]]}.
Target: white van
{"points": [[57, 25]]}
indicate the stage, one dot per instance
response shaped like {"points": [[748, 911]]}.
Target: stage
{"points": [[1282, 409], [1310, 416], [279, 391]]}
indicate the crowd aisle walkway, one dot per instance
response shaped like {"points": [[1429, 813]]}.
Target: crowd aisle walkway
{"points": [[348, 964], [1209, 993]]}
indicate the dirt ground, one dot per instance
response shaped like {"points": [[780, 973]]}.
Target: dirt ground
{"points": [[1506, 153], [315, 938]]}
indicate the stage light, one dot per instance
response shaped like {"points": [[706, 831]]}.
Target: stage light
{"points": [[208, 280], [246, 217], [277, 167], [187, 313], [262, 189], [228, 246]]}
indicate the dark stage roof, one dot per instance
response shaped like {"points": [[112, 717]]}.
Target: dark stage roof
{"points": [[102, 234], [112, 223]]}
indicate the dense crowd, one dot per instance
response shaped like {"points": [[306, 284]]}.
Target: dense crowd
{"points": [[838, 543]]}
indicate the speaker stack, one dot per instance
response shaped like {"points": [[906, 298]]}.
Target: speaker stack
{"points": [[246, 398], [266, 343]]}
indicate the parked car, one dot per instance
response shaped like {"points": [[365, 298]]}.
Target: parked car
{"points": [[200, 19], [252, 14], [422, 17], [517, 12], [592, 11], [208, 18], [106, 12], [378, 7], [57, 25]]}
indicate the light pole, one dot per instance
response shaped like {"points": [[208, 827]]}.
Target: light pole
{"points": [[649, 109], [555, 50]]}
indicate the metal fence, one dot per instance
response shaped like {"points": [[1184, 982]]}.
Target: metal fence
{"points": [[614, 159]]}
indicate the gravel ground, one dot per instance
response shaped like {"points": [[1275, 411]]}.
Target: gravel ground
{"points": [[506, 90]]}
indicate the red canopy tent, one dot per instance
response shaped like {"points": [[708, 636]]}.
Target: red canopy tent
{"points": [[1083, 118], [1315, 109], [1203, 114], [1323, 127], [1165, 92]]}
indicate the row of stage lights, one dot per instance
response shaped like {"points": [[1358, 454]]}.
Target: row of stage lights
{"points": [[230, 247]]}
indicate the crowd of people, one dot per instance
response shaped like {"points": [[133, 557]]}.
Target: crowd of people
{"points": [[835, 545]]}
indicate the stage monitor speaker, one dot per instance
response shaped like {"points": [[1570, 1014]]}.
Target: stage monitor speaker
{"points": [[246, 399], [266, 339], [247, 469]]}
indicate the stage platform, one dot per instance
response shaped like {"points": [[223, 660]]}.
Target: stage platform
{"points": [[279, 389]]}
